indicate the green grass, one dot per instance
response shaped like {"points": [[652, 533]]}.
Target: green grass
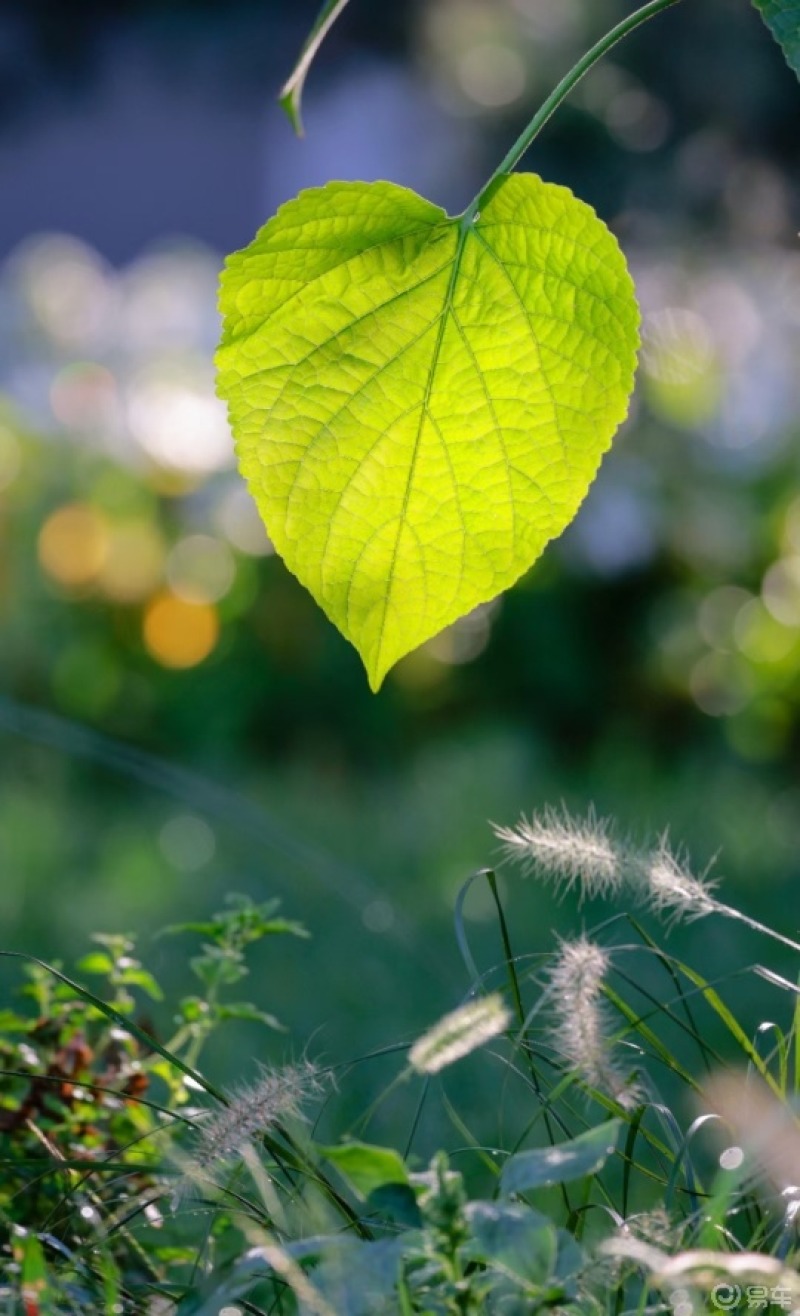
{"points": [[385, 1183]]}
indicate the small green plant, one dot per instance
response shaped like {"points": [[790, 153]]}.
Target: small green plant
{"points": [[595, 1184], [87, 1089], [221, 964], [419, 402]]}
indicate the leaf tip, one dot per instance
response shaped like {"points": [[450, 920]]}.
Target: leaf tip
{"points": [[375, 677]]}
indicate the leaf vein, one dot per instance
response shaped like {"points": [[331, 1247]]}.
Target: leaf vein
{"points": [[249, 261]]}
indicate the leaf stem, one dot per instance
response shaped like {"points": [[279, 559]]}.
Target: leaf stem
{"points": [[560, 93]]}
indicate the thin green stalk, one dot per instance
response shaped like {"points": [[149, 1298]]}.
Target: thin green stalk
{"points": [[513, 981], [565, 86], [292, 1155]]}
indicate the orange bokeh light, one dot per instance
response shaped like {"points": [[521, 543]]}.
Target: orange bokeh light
{"points": [[73, 544], [179, 634]]}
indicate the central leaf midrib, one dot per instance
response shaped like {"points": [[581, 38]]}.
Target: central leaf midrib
{"points": [[435, 357]]}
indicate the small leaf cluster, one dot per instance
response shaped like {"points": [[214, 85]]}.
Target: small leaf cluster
{"points": [[90, 1096], [221, 964], [461, 1256]]}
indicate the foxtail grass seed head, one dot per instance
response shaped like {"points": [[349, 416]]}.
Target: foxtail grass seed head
{"points": [[277, 1095], [580, 1034], [459, 1033], [657, 1227], [766, 1128], [668, 886], [569, 851], [583, 853]]}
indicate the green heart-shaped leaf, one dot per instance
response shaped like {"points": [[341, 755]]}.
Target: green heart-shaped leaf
{"points": [[782, 17], [420, 403]]}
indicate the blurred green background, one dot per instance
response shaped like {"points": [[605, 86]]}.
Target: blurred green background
{"points": [[177, 720]]}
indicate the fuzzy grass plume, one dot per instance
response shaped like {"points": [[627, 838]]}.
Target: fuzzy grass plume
{"points": [[571, 852], [459, 1033], [767, 1129], [669, 887], [580, 1034], [703, 1271], [276, 1095], [585, 854]]}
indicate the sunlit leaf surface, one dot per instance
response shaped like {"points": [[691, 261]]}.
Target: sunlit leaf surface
{"points": [[420, 404]]}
